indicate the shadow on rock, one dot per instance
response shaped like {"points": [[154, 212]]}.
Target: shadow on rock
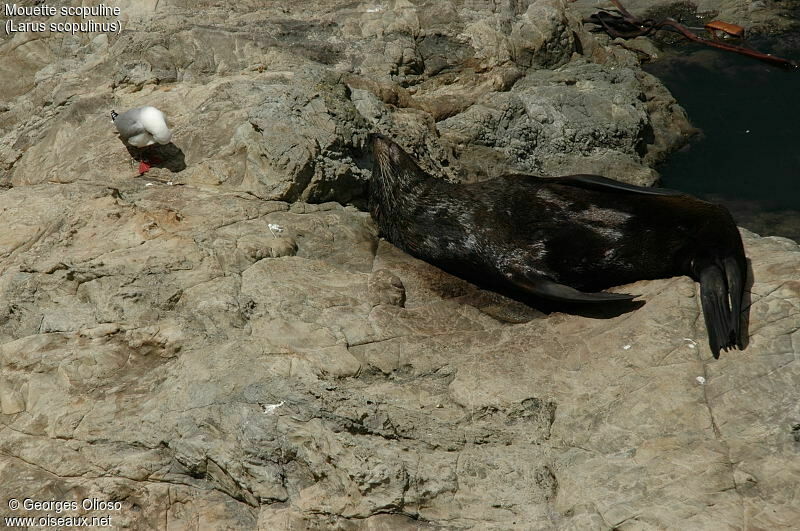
{"points": [[168, 156]]}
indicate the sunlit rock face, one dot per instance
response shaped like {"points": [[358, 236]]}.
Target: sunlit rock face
{"points": [[225, 342]]}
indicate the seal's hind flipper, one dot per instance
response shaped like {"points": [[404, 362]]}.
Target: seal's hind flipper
{"points": [[596, 182], [721, 289], [543, 287], [735, 277]]}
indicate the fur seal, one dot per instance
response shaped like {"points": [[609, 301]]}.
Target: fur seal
{"points": [[562, 238]]}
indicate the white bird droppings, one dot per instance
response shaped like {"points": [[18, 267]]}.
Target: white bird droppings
{"points": [[701, 380], [626, 347], [269, 409], [273, 228]]}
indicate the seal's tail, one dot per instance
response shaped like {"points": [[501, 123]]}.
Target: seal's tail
{"points": [[721, 293]]}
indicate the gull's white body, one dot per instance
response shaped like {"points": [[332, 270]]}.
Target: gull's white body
{"points": [[143, 126]]}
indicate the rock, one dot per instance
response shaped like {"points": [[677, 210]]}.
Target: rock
{"points": [[276, 387], [223, 341], [386, 288], [286, 122], [582, 117]]}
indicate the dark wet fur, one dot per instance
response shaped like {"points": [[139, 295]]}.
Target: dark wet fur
{"points": [[547, 235]]}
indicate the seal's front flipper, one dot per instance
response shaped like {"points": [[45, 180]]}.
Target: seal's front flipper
{"points": [[544, 287], [596, 182]]}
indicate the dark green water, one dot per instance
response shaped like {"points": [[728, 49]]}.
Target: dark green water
{"points": [[748, 154]]}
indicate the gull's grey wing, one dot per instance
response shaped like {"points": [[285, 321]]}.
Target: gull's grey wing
{"points": [[129, 125]]}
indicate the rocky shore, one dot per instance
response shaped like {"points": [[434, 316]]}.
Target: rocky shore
{"points": [[161, 346]]}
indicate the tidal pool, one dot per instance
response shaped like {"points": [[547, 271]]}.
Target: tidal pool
{"points": [[747, 155]]}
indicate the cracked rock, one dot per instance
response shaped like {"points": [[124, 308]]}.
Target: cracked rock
{"points": [[226, 343]]}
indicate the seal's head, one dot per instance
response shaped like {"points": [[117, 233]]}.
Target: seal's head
{"points": [[393, 166], [396, 183], [388, 155]]}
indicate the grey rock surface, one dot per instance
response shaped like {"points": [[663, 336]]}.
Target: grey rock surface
{"points": [[583, 117], [222, 345], [275, 100]]}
